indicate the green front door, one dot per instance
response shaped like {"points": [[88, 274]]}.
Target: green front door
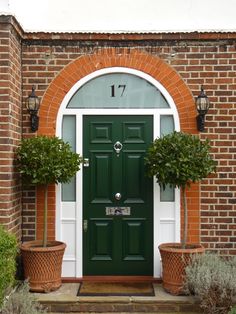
{"points": [[117, 196]]}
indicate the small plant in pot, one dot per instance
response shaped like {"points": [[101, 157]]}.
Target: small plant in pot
{"points": [[179, 159], [43, 161]]}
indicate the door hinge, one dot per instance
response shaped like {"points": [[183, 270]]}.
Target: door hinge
{"points": [[85, 225]]}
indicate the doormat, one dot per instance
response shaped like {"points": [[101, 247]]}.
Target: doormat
{"points": [[116, 289]]}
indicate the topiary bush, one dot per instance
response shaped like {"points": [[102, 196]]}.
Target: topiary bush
{"points": [[213, 279], [179, 159], [8, 252], [46, 160]]}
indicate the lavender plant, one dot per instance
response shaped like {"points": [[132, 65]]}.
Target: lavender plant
{"points": [[213, 279], [21, 301]]}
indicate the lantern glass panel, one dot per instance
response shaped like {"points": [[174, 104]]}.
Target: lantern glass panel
{"points": [[202, 104], [32, 103]]}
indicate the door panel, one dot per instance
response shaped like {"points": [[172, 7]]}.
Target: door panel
{"points": [[101, 233], [118, 238], [101, 172], [133, 231], [101, 132], [133, 180], [134, 132]]}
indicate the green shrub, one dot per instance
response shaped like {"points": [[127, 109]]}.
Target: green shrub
{"points": [[8, 252], [233, 310], [46, 160], [213, 279], [180, 159], [20, 301]]}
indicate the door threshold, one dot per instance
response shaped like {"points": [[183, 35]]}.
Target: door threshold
{"points": [[112, 279]]}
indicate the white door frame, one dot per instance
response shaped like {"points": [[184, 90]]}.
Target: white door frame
{"points": [[69, 215]]}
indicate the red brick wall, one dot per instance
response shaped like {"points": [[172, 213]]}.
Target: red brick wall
{"points": [[207, 59], [10, 124], [131, 58]]}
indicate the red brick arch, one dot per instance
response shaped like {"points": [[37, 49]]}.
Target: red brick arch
{"points": [[130, 58]]}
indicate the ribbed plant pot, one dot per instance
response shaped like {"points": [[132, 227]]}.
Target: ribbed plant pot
{"points": [[42, 265], [174, 261]]}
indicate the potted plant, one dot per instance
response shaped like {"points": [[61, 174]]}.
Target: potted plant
{"points": [[178, 159], [43, 161]]}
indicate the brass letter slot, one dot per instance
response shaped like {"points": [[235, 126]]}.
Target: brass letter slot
{"points": [[118, 211]]}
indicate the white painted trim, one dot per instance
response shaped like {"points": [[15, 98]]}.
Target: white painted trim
{"points": [[80, 113], [79, 197]]}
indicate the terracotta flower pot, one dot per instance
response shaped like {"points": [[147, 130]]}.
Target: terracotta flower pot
{"points": [[174, 261], [42, 265]]}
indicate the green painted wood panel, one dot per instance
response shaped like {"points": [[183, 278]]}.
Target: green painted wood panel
{"points": [[117, 244]]}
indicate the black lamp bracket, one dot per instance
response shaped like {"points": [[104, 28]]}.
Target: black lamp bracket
{"points": [[201, 122]]}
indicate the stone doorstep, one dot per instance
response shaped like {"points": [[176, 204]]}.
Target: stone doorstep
{"points": [[65, 300], [104, 307]]}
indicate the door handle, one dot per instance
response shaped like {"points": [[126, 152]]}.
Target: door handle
{"points": [[117, 196], [86, 162]]}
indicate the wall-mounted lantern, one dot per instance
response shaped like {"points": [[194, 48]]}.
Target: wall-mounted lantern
{"points": [[202, 105], [33, 104]]}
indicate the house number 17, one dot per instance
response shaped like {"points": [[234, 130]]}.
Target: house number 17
{"points": [[117, 90]]}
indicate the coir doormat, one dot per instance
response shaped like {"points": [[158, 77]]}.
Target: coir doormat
{"points": [[116, 289]]}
